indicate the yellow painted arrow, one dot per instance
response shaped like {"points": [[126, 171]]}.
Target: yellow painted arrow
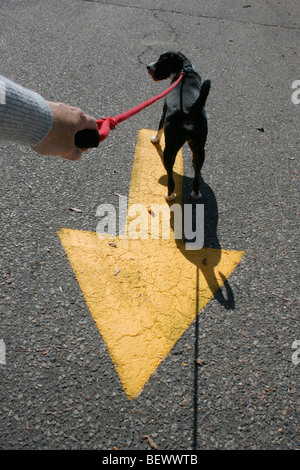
{"points": [[142, 293]]}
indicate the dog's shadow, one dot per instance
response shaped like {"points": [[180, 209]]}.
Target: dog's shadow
{"points": [[198, 257]]}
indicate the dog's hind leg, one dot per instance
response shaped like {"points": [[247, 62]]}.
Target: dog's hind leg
{"points": [[198, 160], [169, 157], [169, 160]]}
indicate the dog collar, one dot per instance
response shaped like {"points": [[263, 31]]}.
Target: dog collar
{"points": [[188, 69]]}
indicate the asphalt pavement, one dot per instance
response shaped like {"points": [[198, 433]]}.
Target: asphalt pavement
{"points": [[231, 382]]}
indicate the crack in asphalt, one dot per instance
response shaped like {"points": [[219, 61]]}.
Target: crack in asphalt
{"points": [[197, 15]]}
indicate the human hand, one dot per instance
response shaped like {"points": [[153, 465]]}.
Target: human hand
{"points": [[66, 122]]}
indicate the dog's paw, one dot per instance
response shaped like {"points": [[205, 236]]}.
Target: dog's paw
{"points": [[171, 197], [196, 195], [155, 139]]}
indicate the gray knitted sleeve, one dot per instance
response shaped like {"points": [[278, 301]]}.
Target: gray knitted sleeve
{"points": [[25, 117]]}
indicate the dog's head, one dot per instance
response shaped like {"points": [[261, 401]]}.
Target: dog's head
{"points": [[168, 63]]}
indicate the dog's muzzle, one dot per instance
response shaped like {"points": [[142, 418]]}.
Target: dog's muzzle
{"points": [[151, 70]]}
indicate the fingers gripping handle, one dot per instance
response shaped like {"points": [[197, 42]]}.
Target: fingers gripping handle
{"points": [[87, 138]]}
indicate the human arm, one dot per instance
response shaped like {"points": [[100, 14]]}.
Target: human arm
{"points": [[49, 128]]}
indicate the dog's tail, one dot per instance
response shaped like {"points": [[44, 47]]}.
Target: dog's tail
{"points": [[200, 103]]}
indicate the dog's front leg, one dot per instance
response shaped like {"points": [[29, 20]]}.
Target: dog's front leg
{"points": [[156, 138]]}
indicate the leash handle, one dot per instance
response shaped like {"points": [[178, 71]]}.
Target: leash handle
{"points": [[87, 138]]}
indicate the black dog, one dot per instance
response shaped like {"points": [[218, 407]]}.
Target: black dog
{"points": [[184, 118]]}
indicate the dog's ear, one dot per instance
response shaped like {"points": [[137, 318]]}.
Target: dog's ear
{"points": [[177, 61]]}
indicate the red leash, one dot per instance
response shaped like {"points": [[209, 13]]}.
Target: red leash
{"points": [[91, 138]]}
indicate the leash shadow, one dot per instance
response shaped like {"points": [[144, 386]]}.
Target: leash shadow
{"points": [[197, 257]]}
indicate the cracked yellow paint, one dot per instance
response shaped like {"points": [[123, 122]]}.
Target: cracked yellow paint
{"points": [[142, 293]]}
